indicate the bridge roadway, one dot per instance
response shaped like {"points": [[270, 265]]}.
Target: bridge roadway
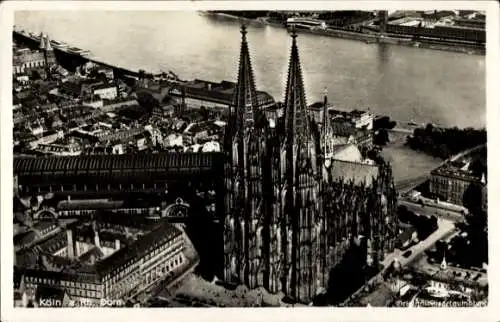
{"points": [[445, 228]]}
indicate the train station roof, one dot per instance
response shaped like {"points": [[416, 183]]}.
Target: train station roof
{"points": [[169, 162]]}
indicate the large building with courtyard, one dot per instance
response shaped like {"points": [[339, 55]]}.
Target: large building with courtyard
{"points": [[108, 258]]}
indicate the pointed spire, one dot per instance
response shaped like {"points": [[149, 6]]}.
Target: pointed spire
{"points": [[326, 125], [45, 42], [245, 97], [42, 41], [444, 265], [295, 100], [326, 118]]}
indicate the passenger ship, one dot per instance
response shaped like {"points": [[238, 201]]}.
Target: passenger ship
{"points": [[306, 23]]}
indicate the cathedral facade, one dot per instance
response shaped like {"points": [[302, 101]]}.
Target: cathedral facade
{"points": [[289, 215]]}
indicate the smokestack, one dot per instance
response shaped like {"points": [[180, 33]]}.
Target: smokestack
{"points": [[117, 244], [71, 249]]}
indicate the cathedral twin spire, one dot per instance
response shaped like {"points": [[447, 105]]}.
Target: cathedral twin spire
{"points": [[271, 186], [296, 122], [245, 99], [245, 104]]}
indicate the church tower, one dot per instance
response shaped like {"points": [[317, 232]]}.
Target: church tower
{"points": [[300, 187], [326, 130], [243, 145], [48, 52]]}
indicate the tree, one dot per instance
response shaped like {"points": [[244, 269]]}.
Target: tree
{"points": [[35, 75], [472, 199], [382, 137], [404, 214], [204, 113], [147, 102], [364, 152], [478, 167], [433, 222], [443, 151], [141, 75]]}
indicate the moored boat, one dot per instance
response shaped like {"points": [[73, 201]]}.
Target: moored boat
{"points": [[58, 44], [78, 51]]}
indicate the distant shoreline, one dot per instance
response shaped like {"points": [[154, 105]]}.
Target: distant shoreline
{"points": [[368, 38]]}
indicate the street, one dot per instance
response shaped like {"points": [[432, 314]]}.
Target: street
{"points": [[445, 228]]}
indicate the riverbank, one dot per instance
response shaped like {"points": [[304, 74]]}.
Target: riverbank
{"points": [[70, 61], [365, 37]]}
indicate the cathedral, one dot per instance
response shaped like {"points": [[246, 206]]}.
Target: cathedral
{"points": [[291, 210]]}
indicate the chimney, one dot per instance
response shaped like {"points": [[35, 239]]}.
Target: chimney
{"points": [[71, 249], [92, 259], [117, 244]]}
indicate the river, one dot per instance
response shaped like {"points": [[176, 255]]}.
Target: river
{"points": [[406, 83]]}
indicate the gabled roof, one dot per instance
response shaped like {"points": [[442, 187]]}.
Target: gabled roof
{"points": [[26, 258], [41, 225], [342, 128], [25, 238], [360, 173], [347, 152], [55, 243], [158, 236], [96, 252]]}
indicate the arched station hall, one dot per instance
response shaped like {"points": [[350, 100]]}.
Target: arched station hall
{"points": [[185, 187]]}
